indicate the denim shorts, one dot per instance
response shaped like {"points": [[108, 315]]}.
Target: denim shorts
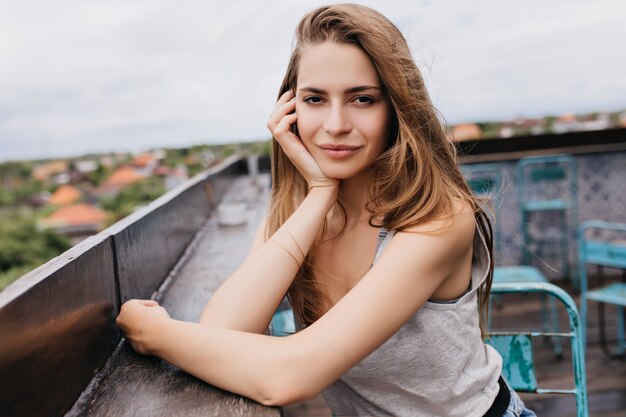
{"points": [[516, 407]]}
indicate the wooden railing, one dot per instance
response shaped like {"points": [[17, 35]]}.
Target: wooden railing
{"points": [[57, 323]]}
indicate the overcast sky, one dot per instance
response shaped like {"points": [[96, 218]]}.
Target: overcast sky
{"points": [[84, 76]]}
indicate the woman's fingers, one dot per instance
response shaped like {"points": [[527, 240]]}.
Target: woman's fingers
{"points": [[279, 124], [148, 303], [284, 99], [287, 95], [278, 114], [284, 125]]}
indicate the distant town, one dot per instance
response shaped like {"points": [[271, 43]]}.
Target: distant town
{"points": [[47, 206], [539, 126]]}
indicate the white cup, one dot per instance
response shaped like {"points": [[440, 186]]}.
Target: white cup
{"points": [[232, 214]]}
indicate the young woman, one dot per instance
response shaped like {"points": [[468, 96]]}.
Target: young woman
{"points": [[372, 232]]}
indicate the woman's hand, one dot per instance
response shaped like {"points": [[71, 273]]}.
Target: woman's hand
{"points": [[140, 320], [279, 125]]}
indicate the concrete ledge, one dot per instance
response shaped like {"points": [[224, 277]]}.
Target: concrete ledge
{"points": [[58, 321]]}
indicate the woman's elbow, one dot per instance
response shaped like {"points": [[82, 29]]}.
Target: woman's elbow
{"points": [[283, 390]]}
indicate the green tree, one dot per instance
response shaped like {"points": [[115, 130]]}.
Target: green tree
{"points": [[16, 169], [24, 247], [548, 124], [135, 195]]}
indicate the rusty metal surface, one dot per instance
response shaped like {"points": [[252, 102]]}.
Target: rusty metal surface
{"points": [[57, 330], [150, 241], [135, 385], [57, 325], [146, 386]]}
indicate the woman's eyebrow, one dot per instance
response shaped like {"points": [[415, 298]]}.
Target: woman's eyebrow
{"points": [[350, 90]]}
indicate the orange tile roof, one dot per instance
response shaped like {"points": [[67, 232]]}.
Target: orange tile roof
{"points": [[467, 131], [76, 215], [143, 160], [65, 194], [123, 176], [43, 171]]}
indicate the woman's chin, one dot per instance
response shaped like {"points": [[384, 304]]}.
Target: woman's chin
{"points": [[340, 172]]}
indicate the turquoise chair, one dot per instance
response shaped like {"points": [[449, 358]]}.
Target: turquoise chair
{"points": [[526, 274], [485, 180], [283, 323], [547, 186], [603, 252], [516, 348]]}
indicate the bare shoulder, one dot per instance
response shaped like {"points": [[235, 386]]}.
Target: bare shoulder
{"points": [[459, 225], [444, 243]]}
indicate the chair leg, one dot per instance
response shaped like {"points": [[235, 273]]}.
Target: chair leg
{"points": [[544, 315], [554, 318], [619, 352], [621, 323], [550, 324], [621, 344], [603, 343], [565, 246], [583, 318], [525, 238]]}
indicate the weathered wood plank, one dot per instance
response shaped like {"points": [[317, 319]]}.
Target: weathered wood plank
{"points": [[145, 386], [135, 385], [150, 241], [57, 329]]}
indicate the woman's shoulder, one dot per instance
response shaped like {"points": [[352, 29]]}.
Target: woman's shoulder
{"points": [[444, 241], [460, 221]]}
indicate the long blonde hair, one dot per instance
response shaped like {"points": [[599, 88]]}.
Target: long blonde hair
{"points": [[416, 178]]}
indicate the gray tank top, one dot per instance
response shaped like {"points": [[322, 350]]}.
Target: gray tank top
{"points": [[435, 365]]}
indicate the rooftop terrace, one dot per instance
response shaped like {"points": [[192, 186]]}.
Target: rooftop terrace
{"points": [[61, 354]]}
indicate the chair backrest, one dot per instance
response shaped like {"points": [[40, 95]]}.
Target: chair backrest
{"points": [[604, 244], [518, 365], [517, 353], [486, 181], [608, 248], [541, 178]]}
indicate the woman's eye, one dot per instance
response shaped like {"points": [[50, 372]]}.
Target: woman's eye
{"points": [[364, 100], [312, 99]]}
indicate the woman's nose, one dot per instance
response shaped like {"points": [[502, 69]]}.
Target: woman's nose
{"points": [[337, 122]]}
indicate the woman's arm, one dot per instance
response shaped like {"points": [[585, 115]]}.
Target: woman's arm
{"points": [[278, 371], [249, 298]]}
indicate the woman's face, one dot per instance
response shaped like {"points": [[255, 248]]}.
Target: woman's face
{"points": [[343, 113]]}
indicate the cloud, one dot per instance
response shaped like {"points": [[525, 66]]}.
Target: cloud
{"points": [[84, 76]]}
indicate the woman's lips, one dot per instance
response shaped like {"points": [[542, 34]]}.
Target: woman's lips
{"points": [[340, 151]]}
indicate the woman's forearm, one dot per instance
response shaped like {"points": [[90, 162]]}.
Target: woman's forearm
{"points": [[261, 282], [257, 366]]}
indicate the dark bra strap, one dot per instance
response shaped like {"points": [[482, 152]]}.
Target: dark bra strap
{"points": [[501, 403]]}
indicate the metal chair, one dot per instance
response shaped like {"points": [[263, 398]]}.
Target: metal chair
{"points": [[485, 180], [547, 189], [606, 251], [530, 275], [283, 322], [517, 352]]}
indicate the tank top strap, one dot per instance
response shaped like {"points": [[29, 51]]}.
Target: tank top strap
{"points": [[480, 259], [481, 262], [384, 236]]}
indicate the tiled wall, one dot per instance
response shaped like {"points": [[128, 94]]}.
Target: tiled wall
{"points": [[601, 194]]}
